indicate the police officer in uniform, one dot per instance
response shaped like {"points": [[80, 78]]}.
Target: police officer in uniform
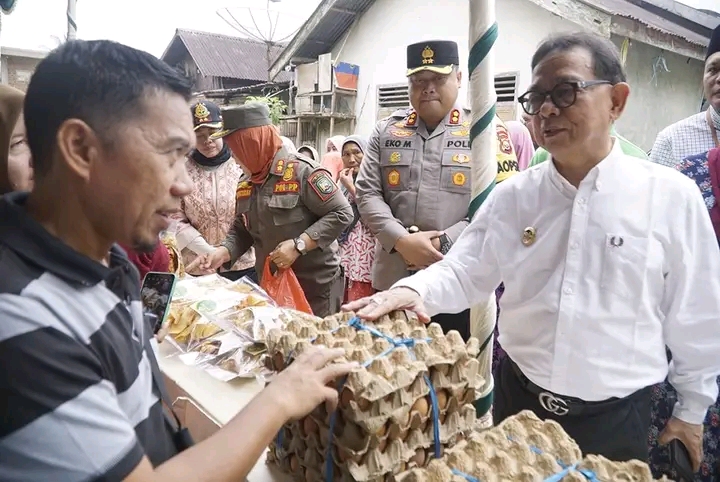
{"points": [[414, 186], [294, 210]]}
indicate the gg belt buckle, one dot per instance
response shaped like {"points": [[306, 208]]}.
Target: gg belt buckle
{"points": [[553, 404]]}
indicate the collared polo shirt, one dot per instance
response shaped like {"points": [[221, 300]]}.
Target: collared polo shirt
{"points": [[76, 384]]}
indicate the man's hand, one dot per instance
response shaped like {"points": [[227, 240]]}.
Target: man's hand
{"points": [[303, 385], [210, 262], [419, 249], [689, 434], [285, 254], [195, 267], [162, 332], [379, 304]]}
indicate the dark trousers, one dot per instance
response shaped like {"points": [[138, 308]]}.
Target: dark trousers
{"points": [[236, 275], [455, 321], [616, 429]]}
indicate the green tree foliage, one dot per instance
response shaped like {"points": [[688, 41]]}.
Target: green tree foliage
{"points": [[276, 105]]}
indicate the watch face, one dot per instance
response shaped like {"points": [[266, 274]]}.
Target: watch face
{"points": [[300, 244]]}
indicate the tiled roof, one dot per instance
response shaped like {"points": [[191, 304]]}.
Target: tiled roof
{"points": [[233, 57]]}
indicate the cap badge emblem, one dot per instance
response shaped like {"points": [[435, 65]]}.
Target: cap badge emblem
{"points": [[428, 56]]}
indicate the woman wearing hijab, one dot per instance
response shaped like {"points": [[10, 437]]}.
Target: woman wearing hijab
{"points": [[357, 243], [522, 142], [333, 162], [334, 144], [309, 151], [208, 213], [295, 211], [692, 146], [16, 167]]}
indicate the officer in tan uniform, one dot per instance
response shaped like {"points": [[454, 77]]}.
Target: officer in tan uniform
{"points": [[414, 186], [294, 210]]}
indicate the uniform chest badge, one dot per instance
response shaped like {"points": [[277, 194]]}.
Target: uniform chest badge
{"points": [[393, 178], [395, 157], [401, 133], [289, 173], [279, 167], [244, 190], [461, 132], [461, 158], [459, 179]]}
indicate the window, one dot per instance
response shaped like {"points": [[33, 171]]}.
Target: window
{"points": [[391, 98], [506, 86]]}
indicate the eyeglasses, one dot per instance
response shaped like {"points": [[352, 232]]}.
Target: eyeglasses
{"points": [[563, 95]]}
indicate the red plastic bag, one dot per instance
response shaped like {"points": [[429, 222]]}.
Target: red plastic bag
{"points": [[284, 288]]}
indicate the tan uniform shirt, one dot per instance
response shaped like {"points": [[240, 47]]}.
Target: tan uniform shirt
{"points": [[412, 177], [298, 197]]}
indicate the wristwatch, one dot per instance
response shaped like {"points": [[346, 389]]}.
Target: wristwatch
{"points": [[300, 246], [445, 243]]}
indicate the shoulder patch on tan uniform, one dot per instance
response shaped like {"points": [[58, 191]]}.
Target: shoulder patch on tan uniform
{"points": [[323, 185]]}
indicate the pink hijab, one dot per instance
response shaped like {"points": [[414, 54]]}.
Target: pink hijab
{"points": [[332, 161], [522, 142]]}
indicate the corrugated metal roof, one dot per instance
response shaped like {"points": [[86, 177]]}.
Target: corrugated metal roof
{"points": [[233, 57], [332, 27], [623, 8], [338, 20]]}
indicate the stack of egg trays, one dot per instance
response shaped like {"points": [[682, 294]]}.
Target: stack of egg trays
{"points": [[523, 448], [384, 421]]}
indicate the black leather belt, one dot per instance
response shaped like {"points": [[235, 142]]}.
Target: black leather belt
{"points": [[562, 405]]}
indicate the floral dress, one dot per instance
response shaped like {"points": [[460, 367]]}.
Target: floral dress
{"points": [[357, 255], [702, 169]]}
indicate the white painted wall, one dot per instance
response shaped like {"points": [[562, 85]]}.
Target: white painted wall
{"points": [[377, 43], [652, 107]]}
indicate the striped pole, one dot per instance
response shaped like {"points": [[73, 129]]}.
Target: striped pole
{"points": [[483, 141], [71, 22]]}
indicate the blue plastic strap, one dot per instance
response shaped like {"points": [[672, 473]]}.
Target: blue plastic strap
{"points": [[465, 476], [394, 344]]}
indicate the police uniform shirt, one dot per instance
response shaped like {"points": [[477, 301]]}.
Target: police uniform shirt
{"points": [[598, 280], [412, 177]]}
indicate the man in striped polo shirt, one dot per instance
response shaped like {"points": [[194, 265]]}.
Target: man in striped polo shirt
{"points": [[109, 128]]}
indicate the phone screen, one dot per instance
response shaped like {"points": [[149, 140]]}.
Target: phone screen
{"points": [[156, 293]]}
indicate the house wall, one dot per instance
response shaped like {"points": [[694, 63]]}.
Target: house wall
{"points": [[16, 71], [658, 101], [393, 24]]}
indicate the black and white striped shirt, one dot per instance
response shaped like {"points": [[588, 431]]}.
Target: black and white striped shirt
{"points": [[78, 400]]}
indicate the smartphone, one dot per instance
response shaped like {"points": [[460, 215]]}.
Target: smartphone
{"points": [[156, 294], [680, 461]]}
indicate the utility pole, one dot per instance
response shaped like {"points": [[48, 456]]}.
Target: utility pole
{"points": [[483, 33], [71, 20]]}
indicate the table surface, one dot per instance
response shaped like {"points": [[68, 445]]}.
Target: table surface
{"points": [[221, 400]]}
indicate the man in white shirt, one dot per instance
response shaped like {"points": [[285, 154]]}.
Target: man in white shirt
{"points": [[606, 259]]}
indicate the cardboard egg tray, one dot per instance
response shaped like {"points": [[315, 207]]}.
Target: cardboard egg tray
{"points": [[384, 420], [522, 449]]}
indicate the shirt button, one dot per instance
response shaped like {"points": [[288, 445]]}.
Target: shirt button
{"points": [[568, 291], [581, 200], [575, 245]]}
